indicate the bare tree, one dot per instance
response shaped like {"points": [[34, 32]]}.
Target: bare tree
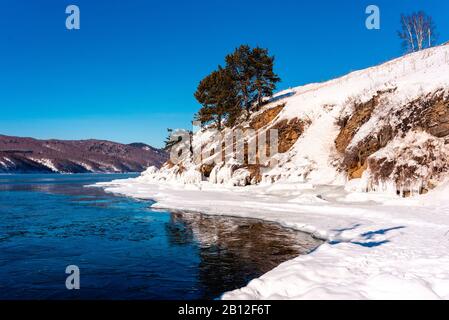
{"points": [[418, 31]]}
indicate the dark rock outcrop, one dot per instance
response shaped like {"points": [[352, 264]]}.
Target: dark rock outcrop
{"points": [[289, 132]]}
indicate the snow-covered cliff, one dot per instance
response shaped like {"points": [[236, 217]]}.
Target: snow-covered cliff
{"points": [[384, 128]]}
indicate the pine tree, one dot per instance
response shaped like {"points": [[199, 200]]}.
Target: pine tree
{"points": [[252, 71], [242, 71], [265, 78], [224, 94], [217, 95]]}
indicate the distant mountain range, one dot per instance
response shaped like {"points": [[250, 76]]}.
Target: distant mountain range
{"points": [[28, 155]]}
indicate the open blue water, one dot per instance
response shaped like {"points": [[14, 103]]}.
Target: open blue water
{"points": [[123, 248]]}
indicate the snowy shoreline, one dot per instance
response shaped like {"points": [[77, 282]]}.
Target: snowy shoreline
{"points": [[378, 246]]}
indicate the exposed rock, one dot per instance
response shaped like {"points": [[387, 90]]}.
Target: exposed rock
{"points": [[289, 132], [357, 171], [266, 117], [255, 175], [354, 160], [382, 168], [181, 169], [206, 169], [362, 113], [413, 163], [169, 164], [437, 118], [430, 113]]}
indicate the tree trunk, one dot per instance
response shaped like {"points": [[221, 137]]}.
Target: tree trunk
{"points": [[247, 107], [259, 99], [219, 122]]}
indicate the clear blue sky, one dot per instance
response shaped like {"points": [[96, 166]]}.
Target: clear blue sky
{"points": [[131, 71]]}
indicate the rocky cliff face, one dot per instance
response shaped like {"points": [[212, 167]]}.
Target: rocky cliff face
{"points": [[27, 155], [385, 128]]}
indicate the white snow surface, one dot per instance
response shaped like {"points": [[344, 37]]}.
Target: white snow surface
{"points": [[47, 163], [6, 162], [378, 245]]}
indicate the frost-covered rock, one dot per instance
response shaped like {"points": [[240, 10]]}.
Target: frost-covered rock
{"points": [[413, 164]]}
